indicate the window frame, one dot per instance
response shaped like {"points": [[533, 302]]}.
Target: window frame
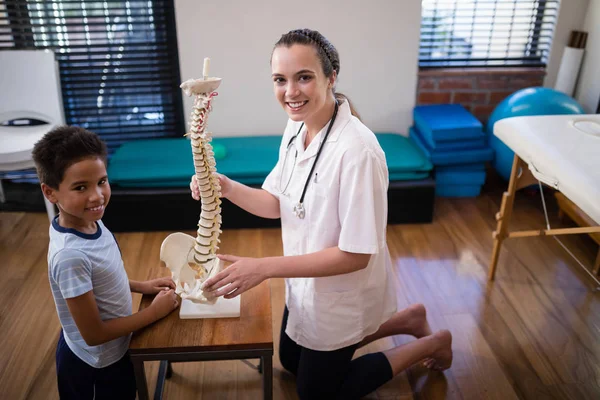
{"points": [[532, 46]]}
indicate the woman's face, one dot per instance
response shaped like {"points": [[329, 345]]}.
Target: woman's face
{"points": [[299, 83]]}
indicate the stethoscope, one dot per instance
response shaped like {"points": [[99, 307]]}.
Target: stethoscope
{"points": [[299, 210]]}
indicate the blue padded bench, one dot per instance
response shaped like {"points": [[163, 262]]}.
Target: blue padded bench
{"points": [[150, 181], [249, 159]]}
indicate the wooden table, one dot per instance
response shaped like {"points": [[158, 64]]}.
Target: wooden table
{"points": [[176, 340]]}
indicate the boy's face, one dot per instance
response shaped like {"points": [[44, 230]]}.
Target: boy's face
{"points": [[83, 193]]}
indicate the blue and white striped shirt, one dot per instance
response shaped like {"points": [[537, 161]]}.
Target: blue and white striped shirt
{"points": [[78, 263]]}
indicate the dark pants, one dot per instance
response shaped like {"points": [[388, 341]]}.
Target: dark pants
{"points": [[332, 374], [78, 380]]}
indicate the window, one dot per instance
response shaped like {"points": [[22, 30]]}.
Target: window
{"points": [[471, 33], [118, 62]]}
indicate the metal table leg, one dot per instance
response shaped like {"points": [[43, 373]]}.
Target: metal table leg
{"points": [[163, 373], [267, 373], [140, 378], [169, 370]]}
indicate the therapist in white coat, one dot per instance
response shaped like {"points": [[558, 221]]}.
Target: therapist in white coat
{"points": [[329, 188]]}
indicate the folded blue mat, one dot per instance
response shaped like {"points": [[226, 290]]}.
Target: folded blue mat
{"points": [[438, 157], [456, 144], [446, 122], [457, 190], [459, 177], [460, 168]]}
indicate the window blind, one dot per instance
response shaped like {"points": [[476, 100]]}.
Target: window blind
{"points": [[118, 60], [463, 33]]}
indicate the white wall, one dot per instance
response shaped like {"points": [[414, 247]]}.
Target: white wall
{"points": [[588, 87], [378, 43], [570, 18]]}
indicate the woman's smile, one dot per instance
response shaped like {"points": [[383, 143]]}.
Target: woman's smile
{"points": [[296, 106]]}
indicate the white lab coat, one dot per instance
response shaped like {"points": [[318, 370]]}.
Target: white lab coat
{"points": [[346, 206]]}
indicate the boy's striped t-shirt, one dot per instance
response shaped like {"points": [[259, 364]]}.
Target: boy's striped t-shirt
{"points": [[78, 263]]}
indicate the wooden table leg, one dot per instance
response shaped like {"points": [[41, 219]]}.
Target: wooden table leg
{"points": [[267, 373], [495, 256], [503, 216], [140, 378], [597, 263], [520, 177]]}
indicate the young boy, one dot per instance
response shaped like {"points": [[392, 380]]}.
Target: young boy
{"points": [[89, 283]]}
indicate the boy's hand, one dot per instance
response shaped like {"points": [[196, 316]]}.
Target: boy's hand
{"points": [[155, 286], [164, 302]]}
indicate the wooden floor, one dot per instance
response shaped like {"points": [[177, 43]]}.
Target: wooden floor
{"points": [[532, 334]]}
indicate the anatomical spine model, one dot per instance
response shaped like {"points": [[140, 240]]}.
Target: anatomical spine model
{"points": [[193, 260]]}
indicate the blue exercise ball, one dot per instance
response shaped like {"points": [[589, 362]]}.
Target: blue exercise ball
{"points": [[529, 101]]}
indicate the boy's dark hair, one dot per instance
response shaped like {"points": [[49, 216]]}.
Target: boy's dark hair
{"points": [[62, 147]]}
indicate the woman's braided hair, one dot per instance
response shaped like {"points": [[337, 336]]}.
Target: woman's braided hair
{"points": [[327, 53]]}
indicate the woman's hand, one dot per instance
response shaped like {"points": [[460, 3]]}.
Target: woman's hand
{"points": [[242, 275], [155, 286], [225, 182]]}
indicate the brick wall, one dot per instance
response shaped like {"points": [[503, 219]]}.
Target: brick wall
{"points": [[479, 90]]}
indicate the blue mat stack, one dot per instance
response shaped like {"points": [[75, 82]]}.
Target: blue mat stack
{"points": [[454, 141]]}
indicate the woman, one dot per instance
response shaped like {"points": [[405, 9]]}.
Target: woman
{"points": [[329, 188]]}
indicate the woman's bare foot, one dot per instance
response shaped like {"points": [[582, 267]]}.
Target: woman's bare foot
{"points": [[414, 318], [418, 320], [410, 321], [441, 359]]}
